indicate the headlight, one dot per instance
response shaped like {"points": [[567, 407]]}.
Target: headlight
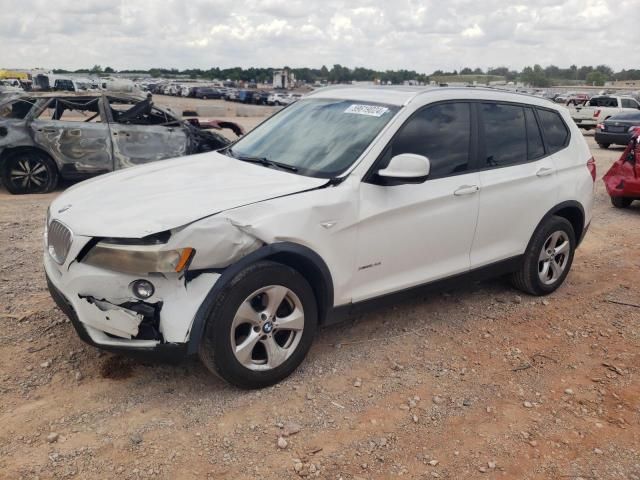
{"points": [[138, 259]]}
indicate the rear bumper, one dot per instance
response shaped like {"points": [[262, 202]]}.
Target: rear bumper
{"points": [[585, 122], [612, 138]]}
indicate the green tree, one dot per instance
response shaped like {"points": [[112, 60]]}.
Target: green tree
{"points": [[596, 78], [534, 76]]}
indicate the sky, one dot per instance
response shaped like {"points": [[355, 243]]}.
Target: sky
{"points": [[422, 35]]}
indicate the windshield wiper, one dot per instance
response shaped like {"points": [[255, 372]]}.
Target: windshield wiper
{"points": [[262, 161]]}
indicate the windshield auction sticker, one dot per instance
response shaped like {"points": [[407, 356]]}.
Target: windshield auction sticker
{"points": [[369, 110]]}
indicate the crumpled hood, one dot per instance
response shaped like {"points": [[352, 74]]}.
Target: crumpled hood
{"points": [[139, 201]]}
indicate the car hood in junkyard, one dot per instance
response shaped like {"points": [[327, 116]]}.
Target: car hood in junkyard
{"points": [[139, 201]]}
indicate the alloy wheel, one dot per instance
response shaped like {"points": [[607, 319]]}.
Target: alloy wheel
{"points": [[267, 328], [28, 174], [553, 257]]}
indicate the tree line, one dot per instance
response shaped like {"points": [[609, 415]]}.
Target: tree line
{"points": [[535, 75]]}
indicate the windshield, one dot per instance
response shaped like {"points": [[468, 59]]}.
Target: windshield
{"points": [[16, 109], [631, 116], [319, 137]]}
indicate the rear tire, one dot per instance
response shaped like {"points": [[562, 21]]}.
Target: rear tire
{"points": [[29, 171], [260, 327], [621, 202], [548, 258], [604, 145]]}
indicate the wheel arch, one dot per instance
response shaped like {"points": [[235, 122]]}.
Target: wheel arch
{"points": [[302, 259], [570, 210], [8, 151]]}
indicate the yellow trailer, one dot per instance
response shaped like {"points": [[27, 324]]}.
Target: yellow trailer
{"points": [[13, 74]]}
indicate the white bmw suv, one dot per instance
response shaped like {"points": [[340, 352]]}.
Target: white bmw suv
{"points": [[347, 195]]}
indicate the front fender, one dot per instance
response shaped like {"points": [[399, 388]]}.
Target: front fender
{"points": [[285, 252]]}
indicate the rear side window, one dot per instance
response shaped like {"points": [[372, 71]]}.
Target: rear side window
{"points": [[505, 134], [554, 129], [442, 133], [535, 147], [628, 103], [603, 102]]}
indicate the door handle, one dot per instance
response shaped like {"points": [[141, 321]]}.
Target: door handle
{"points": [[544, 171], [47, 130], [466, 190]]}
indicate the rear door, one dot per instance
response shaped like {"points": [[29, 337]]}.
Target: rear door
{"points": [[142, 133], [74, 132], [518, 181]]}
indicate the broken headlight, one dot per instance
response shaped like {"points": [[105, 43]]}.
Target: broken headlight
{"points": [[138, 259]]}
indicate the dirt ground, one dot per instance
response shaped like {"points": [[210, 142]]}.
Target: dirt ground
{"points": [[480, 382]]}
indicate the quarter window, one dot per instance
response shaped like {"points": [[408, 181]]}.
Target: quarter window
{"points": [[442, 133], [554, 129], [535, 147], [505, 134]]}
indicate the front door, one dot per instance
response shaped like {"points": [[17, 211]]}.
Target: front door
{"points": [[73, 131], [414, 233]]}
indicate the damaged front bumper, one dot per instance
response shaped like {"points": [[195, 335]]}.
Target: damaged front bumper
{"points": [[170, 352], [105, 313]]}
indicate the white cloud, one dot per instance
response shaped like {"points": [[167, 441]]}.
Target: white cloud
{"points": [[473, 32], [424, 35]]}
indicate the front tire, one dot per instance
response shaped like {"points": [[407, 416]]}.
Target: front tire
{"points": [[621, 202], [260, 327], [29, 171], [548, 258]]}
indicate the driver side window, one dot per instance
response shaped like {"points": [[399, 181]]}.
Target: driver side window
{"points": [[442, 133]]}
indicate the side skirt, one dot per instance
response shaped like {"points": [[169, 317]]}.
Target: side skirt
{"points": [[342, 312]]}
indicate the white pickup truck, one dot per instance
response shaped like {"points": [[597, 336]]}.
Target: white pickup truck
{"points": [[599, 108]]}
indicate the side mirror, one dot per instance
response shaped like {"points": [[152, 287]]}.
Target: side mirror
{"points": [[408, 167]]}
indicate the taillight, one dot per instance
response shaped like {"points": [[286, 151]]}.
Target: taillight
{"points": [[591, 166], [596, 114]]}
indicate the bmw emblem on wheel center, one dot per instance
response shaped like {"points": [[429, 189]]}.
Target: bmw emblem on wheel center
{"points": [[267, 327]]}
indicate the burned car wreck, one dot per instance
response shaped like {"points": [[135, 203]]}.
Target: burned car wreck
{"points": [[45, 137]]}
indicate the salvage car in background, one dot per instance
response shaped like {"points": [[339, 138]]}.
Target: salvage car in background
{"points": [[44, 137], [600, 108], [206, 93], [623, 178], [618, 129]]}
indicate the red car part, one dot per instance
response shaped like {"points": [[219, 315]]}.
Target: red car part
{"points": [[623, 178]]}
